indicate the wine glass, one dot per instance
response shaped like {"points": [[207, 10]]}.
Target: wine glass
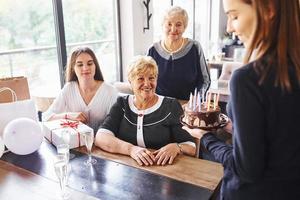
{"points": [[63, 150], [61, 170], [89, 140]]}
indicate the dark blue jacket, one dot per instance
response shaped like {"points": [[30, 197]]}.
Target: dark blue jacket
{"points": [[264, 161], [180, 73]]}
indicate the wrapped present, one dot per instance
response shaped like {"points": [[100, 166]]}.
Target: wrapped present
{"points": [[54, 130]]}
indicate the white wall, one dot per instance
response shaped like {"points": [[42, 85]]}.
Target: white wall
{"points": [[134, 40]]}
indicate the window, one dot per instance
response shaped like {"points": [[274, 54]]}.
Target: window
{"points": [[28, 41], [91, 23]]}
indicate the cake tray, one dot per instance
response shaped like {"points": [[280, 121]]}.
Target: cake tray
{"points": [[223, 119]]}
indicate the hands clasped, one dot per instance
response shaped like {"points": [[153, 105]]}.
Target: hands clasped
{"points": [[77, 116], [162, 156]]}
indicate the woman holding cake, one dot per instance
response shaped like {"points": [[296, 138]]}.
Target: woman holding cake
{"points": [[264, 161], [85, 96], [144, 121], [181, 62]]}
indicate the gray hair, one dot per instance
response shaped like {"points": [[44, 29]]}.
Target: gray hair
{"points": [[176, 10], [141, 64]]}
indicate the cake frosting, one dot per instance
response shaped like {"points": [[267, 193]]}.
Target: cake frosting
{"points": [[202, 117]]}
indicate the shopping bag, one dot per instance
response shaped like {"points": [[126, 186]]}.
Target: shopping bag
{"points": [[15, 109], [18, 84]]}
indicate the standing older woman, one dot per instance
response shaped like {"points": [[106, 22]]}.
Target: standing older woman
{"points": [[85, 97], [264, 161], [181, 62], [145, 120]]}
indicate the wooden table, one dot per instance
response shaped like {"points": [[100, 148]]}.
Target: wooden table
{"points": [[113, 177], [18, 183], [187, 169]]}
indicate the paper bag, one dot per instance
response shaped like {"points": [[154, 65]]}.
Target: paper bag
{"points": [[16, 109], [18, 84]]}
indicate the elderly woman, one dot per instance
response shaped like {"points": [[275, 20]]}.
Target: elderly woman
{"points": [[181, 62], [85, 96], [143, 121]]}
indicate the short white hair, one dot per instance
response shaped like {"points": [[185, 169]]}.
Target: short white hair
{"points": [[175, 11]]}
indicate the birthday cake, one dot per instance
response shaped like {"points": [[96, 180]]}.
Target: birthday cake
{"points": [[203, 114], [202, 117]]}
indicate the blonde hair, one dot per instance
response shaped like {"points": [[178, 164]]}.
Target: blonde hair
{"points": [[140, 65], [176, 10]]}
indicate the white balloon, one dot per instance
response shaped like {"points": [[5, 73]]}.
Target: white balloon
{"points": [[22, 136], [1, 147]]}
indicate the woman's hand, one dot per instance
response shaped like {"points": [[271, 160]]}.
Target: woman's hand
{"points": [[228, 127], [142, 156], [77, 116], [166, 154], [197, 133]]}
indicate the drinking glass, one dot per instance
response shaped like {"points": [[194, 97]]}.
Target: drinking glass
{"points": [[65, 138], [63, 149], [61, 170], [89, 140]]}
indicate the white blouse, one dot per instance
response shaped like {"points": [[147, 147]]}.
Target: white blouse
{"points": [[70, 100]]}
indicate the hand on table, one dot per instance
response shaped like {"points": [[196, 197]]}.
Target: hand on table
{"points": [[166, 154], [142, 156]]}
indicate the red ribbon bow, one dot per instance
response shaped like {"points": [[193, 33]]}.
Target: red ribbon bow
{"points": [[71, 124]]}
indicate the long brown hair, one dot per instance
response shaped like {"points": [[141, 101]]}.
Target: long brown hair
{"points": [[70, 72], [276, 37]]}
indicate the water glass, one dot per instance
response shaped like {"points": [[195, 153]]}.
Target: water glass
{"points": [[89, 140], [61, 171], [63, 149], [66, 138]]}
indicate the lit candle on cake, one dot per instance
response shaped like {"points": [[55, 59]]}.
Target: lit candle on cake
{"points": [[218, 97], [203, 93], [208, 101], [215, 101], [199, 101], [195, 99], [191, 101]]}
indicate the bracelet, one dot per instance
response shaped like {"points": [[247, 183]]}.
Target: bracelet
{"points": [[180, 148]]}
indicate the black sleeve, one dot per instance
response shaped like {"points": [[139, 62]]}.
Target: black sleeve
{"points": [[113, 119], [248, 156], [179, 135]]}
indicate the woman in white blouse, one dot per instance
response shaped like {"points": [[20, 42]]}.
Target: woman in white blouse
{"points": [[85, 96]]}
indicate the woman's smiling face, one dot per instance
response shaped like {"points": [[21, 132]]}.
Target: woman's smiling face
{"points": [[144, 85]]}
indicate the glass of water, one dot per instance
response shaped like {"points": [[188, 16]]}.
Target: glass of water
{"points": [[89, 140], [63, 149], [66, 138], [61, 171]]}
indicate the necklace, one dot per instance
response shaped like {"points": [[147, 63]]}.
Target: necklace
{"points": [[170, 51]]}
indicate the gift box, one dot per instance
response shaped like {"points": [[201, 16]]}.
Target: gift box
{"points": [[54, 130]]}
